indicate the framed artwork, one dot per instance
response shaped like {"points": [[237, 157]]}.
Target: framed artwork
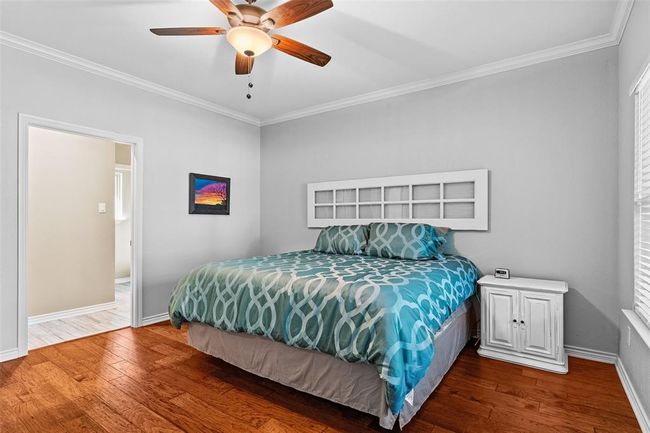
{"points": [[209, 194]]}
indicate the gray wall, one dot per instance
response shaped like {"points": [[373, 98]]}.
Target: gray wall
{"points": [[633, 55], [178, 139], [548, 135]]}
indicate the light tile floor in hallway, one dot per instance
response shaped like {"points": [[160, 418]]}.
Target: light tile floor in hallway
{"points": [[57, 331]]}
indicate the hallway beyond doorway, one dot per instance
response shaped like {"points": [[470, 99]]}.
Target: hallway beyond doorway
{"points": [[71, 328]]}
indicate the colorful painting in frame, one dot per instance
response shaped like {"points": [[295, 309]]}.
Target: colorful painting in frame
{"points": [[209, 194]]}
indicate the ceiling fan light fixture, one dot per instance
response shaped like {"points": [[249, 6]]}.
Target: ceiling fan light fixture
{"points": [[249, 41]]}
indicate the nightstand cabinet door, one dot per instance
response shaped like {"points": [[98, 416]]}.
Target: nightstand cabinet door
{"points": [[536, 321], [500, 312]]}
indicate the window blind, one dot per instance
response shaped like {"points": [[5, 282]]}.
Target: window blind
{"points": [[642, 200]]}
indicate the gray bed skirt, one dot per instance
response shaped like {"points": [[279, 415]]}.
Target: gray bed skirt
{"points": [[354, 385]]}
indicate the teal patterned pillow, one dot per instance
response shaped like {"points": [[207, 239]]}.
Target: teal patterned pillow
{"points": [[343, 240], [405, 241]]}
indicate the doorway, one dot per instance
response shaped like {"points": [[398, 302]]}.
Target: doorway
{"points": [[80, 192]]}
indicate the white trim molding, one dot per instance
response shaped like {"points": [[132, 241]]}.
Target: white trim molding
{"points": [[621, 16], [641, 415], [123, 280], [156, 318], [506, 65], [645, 70], [22, 44], [41, 318], [591, 354], [9, 354]]}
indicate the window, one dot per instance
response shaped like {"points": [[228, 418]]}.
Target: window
{"points": [[642, 199], [119, 205]]}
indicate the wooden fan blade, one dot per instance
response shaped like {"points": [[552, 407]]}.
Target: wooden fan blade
{"points": [[243, 64], [300, 50], [227, 8], [189, 31], [294, 11]]}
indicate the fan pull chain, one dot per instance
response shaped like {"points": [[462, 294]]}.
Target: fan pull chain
{"points": [[250, 86]]}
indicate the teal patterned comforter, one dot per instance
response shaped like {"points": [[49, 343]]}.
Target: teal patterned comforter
{"points": [[356, 308]]}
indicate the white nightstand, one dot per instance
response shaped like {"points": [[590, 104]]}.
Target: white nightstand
{"points": [[522, 321]]}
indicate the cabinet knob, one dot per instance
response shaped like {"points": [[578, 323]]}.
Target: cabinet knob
{"points": [[514, 320], [521, 321]]}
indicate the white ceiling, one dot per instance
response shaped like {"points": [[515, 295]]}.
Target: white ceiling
{"points": [[374, 44]]}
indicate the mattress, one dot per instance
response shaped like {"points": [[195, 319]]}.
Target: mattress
{"points": [[359, 309], [351, 384]]}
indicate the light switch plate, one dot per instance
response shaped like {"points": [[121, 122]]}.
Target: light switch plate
{"points": [[101, 207]]}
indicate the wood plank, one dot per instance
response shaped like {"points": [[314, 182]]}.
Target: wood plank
{"points": [[164, 329], [487, 397], [534, 422], [591, 417], [273, 408], [105, 416], [337, 417], [183, 419], [213, 416], [275, 426], [594, 385], [83, 424], [131, 410]]}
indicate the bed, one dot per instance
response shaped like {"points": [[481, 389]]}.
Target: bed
{"points": [[371, 333]]}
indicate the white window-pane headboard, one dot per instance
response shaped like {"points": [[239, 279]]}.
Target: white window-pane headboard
{"points": [[455, 199]]}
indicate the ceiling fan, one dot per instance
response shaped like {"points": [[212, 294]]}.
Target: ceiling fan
{"points": [[250, 27]]}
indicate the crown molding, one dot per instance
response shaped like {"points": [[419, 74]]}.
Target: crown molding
{"points": [[621, 17], [612, 38], [10, 40], [579, 47]]}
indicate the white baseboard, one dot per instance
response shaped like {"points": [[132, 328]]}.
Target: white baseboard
{"points": [[157, 318], [122, 280], [9, 354], [33, 320], [591, 354], [633, 397]]}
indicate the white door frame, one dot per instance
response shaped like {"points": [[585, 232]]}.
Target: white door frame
{"points": [[24, 123]]}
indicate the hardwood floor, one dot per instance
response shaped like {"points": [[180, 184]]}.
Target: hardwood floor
{"points": [[149, 380], [58, 331]]}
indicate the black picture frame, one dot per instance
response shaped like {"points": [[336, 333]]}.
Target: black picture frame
{"points": [[195, 207]]}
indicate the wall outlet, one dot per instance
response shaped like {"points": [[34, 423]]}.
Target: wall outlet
{"points": [[629, 336], [101, 207]]}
